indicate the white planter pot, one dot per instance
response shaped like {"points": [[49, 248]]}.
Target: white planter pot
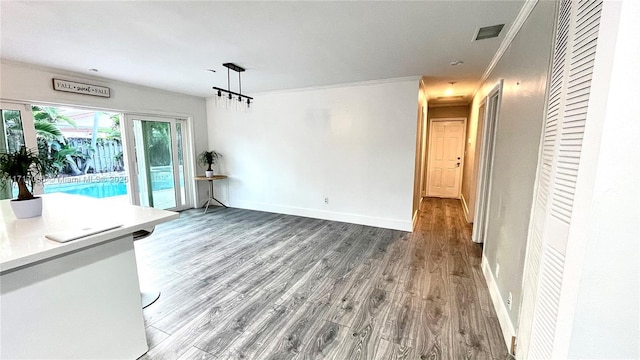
{"points": [[208, 173], [24, 209]]}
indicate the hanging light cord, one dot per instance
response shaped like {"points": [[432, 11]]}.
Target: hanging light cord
{"points": [[239, 87], [229, 83]]}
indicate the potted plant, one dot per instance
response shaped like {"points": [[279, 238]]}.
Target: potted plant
{"points": [[25, 167], [209, 158]]}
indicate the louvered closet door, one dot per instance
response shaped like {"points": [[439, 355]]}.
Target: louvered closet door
{"points": [[566, 113]]}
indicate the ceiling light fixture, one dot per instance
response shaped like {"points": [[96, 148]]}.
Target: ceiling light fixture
{"points": [[449, 91], [231, 94], [450, 98]]}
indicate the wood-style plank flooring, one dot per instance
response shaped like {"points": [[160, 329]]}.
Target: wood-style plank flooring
{"points": [[240, 284]]}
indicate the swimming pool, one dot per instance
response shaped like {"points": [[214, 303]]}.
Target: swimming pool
{"points": [[96, 190], [104, 185]]}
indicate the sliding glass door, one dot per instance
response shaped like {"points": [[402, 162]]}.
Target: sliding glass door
{"points": [[155, 149], [97, 157]]}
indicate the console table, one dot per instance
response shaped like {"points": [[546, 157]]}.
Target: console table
{"points": [[211, 193]]}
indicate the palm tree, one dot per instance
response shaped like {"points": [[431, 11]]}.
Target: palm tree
{"points": [[45, 119], [48, 131], [44, 122], [50, 137]]}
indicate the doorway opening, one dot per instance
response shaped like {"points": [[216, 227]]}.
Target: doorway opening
{"points": [[483, 191], [124, 158], [445, 157], [155, 148]]}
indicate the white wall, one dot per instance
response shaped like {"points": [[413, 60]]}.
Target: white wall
{"points": [[354, 144], [524, 68], [33, 84]]}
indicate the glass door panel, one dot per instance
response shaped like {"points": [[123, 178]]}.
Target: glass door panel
{"points": [[157, 149], [12, 137], [155, 158], [12, 132]]}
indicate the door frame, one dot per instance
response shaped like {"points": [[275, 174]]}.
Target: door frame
{"points": [[428, 154], [485, 165], [131, 160], [468, 203], [424, 150]]}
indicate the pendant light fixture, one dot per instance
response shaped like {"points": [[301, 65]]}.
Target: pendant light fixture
{"points": [[449, 91], [230, 94]]}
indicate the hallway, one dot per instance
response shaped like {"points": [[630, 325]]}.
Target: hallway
{"points": [[241, 284]]}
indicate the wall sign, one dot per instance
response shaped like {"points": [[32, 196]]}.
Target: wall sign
{"points": [[78, 88]]}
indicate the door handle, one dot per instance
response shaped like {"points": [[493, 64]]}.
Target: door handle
{"points": [[457, 164]]}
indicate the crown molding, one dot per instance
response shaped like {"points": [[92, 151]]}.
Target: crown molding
{"points": [[524, 13], [341, 85]]}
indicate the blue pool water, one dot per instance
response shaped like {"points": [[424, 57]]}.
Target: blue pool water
{"points": [[96, 190], [104, 185], [99, 189]]}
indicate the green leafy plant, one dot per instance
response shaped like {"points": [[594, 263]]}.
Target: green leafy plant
{"points": [[25, 167], [65, 158], [209, 158]]}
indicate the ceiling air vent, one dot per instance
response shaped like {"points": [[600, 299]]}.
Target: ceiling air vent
{"points": [[488, 32]]}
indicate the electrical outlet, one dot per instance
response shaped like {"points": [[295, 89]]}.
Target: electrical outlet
{"points": [[497, 270], [326, 200], [510, 300]]}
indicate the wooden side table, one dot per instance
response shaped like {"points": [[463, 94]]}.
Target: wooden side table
{"points": [[211, 193]]}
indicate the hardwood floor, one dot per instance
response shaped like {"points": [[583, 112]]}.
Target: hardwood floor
{"points": [[240, 284]]}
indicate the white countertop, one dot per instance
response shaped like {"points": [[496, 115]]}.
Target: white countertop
{"points": [[23, 242]]}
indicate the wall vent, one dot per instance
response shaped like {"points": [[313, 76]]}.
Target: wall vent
{"points": [[488, 32]]}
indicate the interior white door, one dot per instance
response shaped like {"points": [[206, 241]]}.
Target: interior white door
{"points": [[446, 146]]}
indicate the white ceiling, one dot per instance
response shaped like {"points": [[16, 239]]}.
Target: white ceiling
{"points": [[283, 45]]}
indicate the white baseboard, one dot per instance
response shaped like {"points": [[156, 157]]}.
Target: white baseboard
{"points": [[395, 224], [465, 208], [498, 304]]}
